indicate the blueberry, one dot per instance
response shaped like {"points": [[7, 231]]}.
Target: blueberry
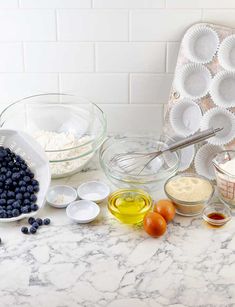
{"points": [[34, 207], [26, 178], [8, 181], [30, 188], [33, 198], [16, 205], [9, 214], [8, 174], [22, 189], [15, 176], [10, 194], [17, 190], [34, 182], [10, 201], [3, 195], [39, 221], [24, 210], [46, 221], [33, 230], [3, 202], [29, 207], [22, 173], [19, 196], [24, 230], [22, 183], [31, 220], [9, 207], [3, 170], [36, 188], [27, 195], [27, 202], [35, 225], [15, 212], [2, 178], [4, 215]]}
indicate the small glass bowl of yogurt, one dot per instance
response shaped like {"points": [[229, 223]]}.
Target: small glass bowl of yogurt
{"points": [[189, 193]]}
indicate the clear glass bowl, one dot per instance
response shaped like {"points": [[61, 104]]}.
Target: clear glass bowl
{"points": [[63, 116], [152, 177], [219, 208], [189, 208]]}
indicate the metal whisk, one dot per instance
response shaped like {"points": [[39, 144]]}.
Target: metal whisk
{"points": [[138, 161]]}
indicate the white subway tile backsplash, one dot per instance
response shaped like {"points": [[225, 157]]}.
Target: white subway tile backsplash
{"points": [[99, 88], [59, 57], [130, 57], [171, 56], [8, 4], [17, 86], [11, 57], [136, 119], [27, 25], [222, 17], [55, 3], [204, 4], [93, 25], [161, 25], [150, 88], [129, 3]]}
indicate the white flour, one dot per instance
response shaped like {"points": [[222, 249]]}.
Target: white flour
{"points": [[58, 141], [229, 167]]}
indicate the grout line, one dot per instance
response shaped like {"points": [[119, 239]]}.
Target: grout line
{"points": [[23, 56], [167, 56], [58, 82], [129, 25], [92, 4], [94, 58], [56, 26], [129, 88]]}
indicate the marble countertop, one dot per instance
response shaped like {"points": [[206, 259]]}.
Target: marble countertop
{"points": [[106, 263]]}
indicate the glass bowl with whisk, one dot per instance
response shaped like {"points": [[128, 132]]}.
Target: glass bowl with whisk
{"points": [[123, 175]]}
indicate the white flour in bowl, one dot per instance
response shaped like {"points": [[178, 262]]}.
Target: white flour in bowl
{"points": [[50, 140]]}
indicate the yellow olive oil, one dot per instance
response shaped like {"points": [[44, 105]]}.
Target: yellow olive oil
{"points": [[129, 206]]}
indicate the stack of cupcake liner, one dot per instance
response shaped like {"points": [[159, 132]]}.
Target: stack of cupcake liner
{"points": [[203, 94]]}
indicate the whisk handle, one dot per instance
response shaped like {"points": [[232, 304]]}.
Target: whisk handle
{"points": [[193, 139]]}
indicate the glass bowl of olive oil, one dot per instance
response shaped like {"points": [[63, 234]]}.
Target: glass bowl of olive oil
{"points": [[129, 205]]}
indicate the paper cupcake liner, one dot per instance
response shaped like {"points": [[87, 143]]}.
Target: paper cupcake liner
{"points": [[203, 160], [200, 44], [226, 53], [185, 117], [186, 154], [222, 89], [193, 81], [219, 118]]}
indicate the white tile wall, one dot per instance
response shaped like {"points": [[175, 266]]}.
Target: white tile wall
{"points": [[130, 57], [118, 53]]}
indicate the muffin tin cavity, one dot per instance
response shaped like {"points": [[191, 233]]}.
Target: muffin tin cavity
{"points": [[200, 44]]}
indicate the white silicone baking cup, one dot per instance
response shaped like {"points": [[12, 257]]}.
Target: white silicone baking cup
{"points": [[203, 160], [185, 117], [200, 44], [222, 89], [226, 53], [186, 154], [219, 118], [192, 81]]}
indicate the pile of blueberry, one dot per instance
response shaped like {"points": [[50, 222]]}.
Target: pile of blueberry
{"points": [[35, 224], [18, 188]]}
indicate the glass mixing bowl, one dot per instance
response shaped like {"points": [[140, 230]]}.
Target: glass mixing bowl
{"points": [[152, 177], [69, 128]]}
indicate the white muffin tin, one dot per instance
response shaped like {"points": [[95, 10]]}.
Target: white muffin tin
{"points": [[203, 90]]}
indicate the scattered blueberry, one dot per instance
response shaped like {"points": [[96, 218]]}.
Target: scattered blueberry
{"points": [[24, 210], [33, 230], [31, 220], [25, 230], [46, 221], [39, 221], [35, 225]]}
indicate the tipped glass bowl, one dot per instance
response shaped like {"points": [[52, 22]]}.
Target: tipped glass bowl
{"points": [[152, 177], [76, 128]]}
